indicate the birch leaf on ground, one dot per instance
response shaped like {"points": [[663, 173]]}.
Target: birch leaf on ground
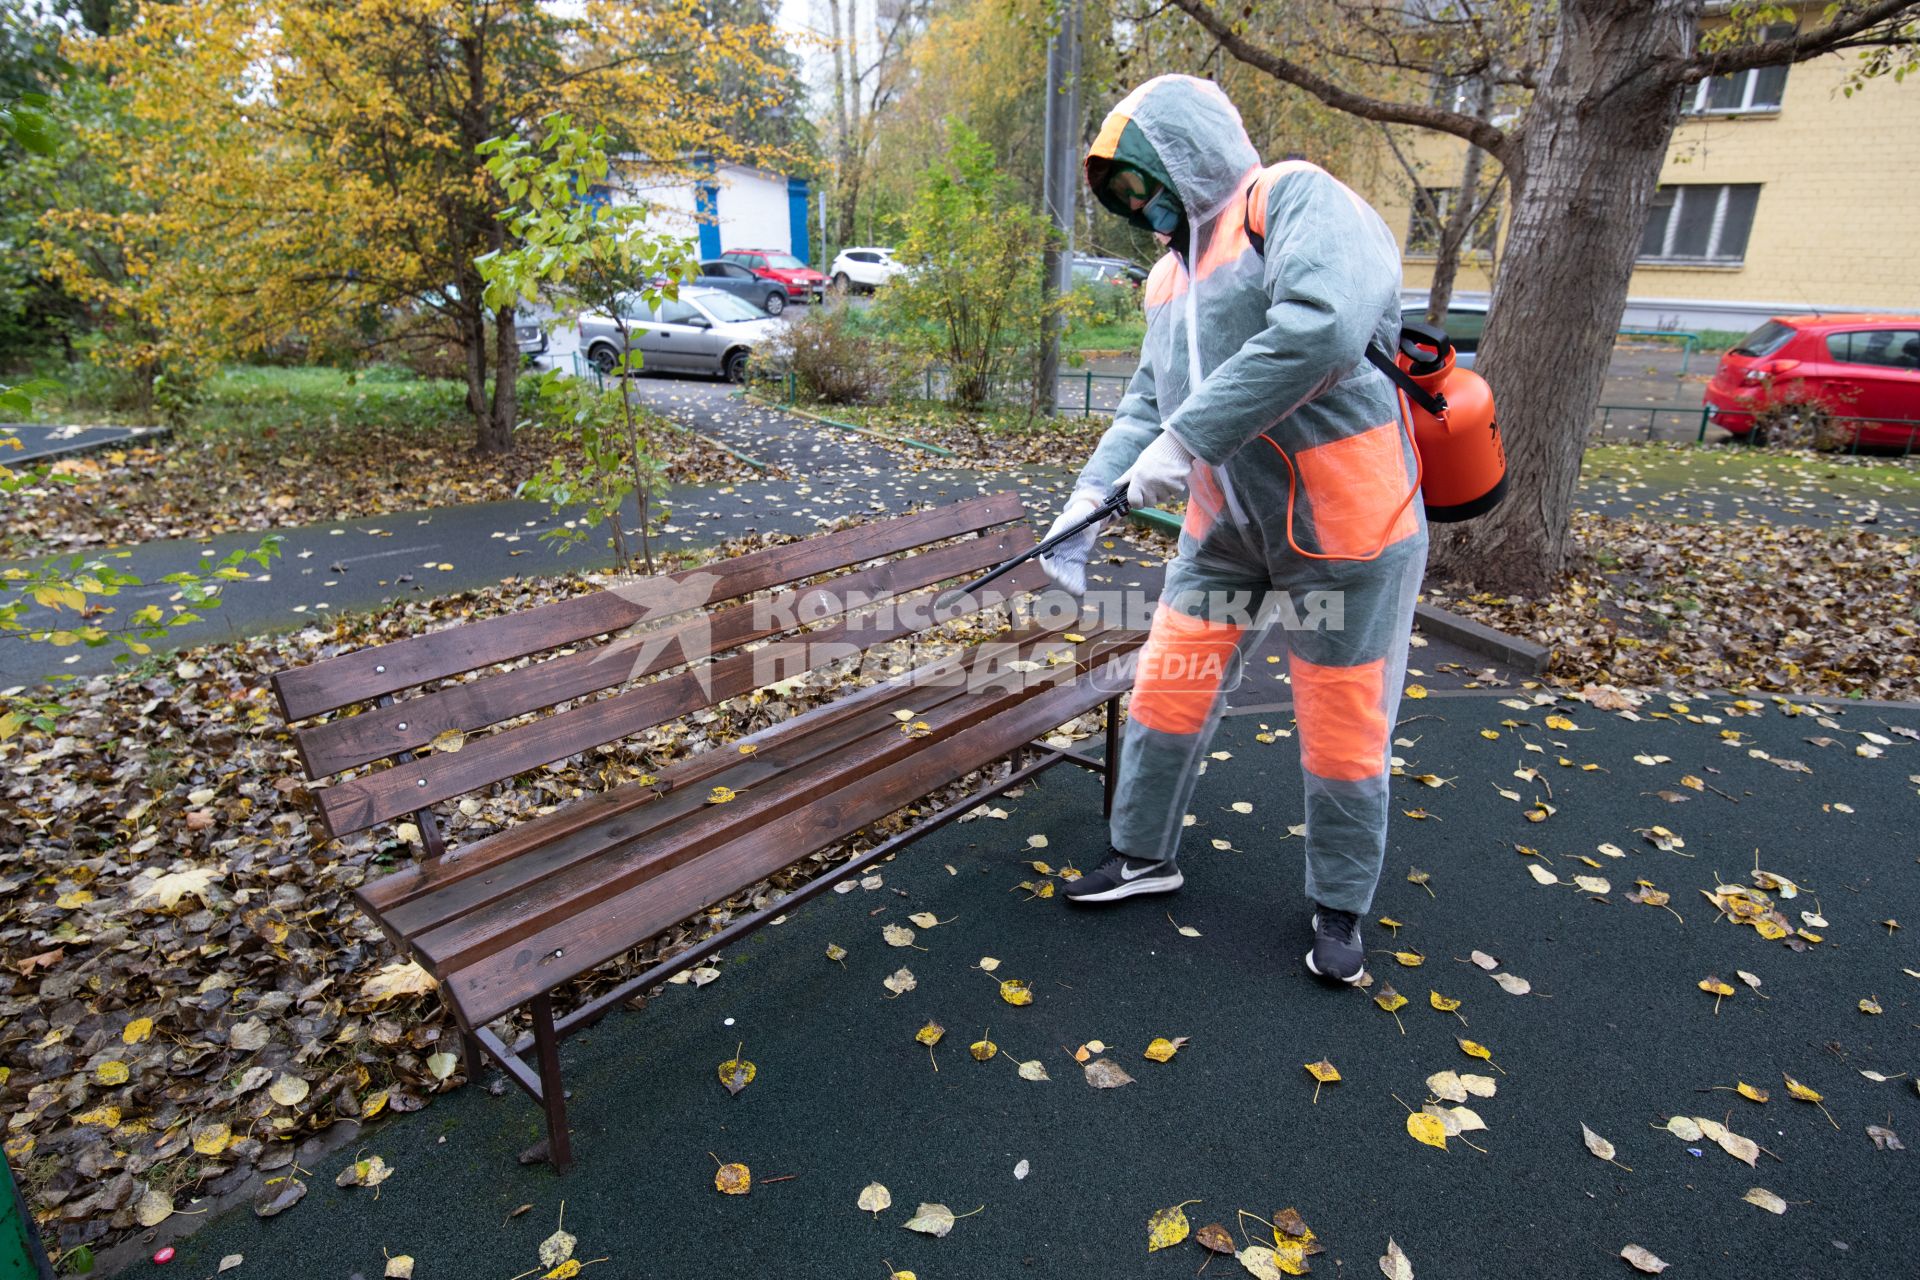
{"points": [[1750, 1093], [1512, 985], [983, 1048], [925, 919], [736, 1074], [1034, 1070], [1447, 1086], [1762, 1198], [1016, 992], [1168, 1227], [1394, 1266], [1104, 1074], [1260, 1262], [874, 1198], [1683, 1128], [733, 1180], [1643, 1260], [1884, 1139], [1600, 1147], [1745, 1150], [1163, 1049], [897, 935], [1480, 1086], [1484, 961], [900, 983], [1214, 1239], [935, 1219], [1428, 1129], [558, 1247]]}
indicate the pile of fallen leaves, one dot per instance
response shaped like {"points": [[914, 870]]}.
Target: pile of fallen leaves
{"points": [[1833, 612], [209, 482], [189, 987]]}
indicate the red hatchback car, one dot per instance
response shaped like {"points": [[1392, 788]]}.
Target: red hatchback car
{"points": [[802, 282], [1864, 369]]}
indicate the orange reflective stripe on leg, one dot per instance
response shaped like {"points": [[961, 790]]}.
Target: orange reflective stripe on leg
{"points": [[1182, 669], [1343, 718]]}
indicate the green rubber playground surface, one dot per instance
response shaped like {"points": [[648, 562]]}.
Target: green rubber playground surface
{"points": [[1614, 1033]]}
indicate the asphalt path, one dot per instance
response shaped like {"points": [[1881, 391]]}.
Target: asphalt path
{"points": [[1615, 1034], [44, 441]]}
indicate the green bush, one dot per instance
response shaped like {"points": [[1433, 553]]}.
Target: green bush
{"points": [[833, 357], [972, 297]]}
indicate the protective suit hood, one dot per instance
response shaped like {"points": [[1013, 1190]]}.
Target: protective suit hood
{"points": [[1183, 132]]}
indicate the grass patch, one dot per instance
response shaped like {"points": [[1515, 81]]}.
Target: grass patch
{"points": [[1125, 335], [1670, 466]]}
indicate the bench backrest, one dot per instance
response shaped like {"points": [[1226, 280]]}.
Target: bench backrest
{"points": [[668, 621]]}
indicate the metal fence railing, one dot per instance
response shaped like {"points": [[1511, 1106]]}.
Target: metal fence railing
{"points": [[1689, 341]]}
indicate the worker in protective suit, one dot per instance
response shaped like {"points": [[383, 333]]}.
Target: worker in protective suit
{"points": [[1253, 400]]}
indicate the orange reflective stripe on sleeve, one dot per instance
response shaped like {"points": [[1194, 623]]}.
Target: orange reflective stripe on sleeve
{"points": [[1353, 485], [1182, 669], [1342, 717]]}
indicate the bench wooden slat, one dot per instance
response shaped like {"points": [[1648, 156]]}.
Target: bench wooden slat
{"points": [[566, 892], [368, 674], [507, 978], [781, 767], [358, 803], [349, 741]]}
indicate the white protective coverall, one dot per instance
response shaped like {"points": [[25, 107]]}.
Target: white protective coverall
{"points": [[1244, 342]]}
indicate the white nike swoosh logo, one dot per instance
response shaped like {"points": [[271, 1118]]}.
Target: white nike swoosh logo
{"points": [[1128, 873]]}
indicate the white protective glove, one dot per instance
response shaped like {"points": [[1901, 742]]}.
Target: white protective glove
{"points": [[1067, 564], [1159, 474]]}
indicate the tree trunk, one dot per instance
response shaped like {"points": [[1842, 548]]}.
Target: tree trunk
{"points": [[472, 327], [1590, 157], [506, 384], [1461, 219], [843, 139]]}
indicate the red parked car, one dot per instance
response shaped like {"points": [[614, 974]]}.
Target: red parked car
{"points": [[802, 282], [1864, 369]]}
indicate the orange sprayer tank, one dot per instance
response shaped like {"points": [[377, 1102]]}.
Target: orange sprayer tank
{"points": [[1463, 463]]}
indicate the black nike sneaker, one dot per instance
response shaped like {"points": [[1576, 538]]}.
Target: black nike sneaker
{"points": [[1120, 876], [1336, 955]]}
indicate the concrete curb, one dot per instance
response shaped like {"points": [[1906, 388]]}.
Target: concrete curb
{"points": [[1509, 651]]}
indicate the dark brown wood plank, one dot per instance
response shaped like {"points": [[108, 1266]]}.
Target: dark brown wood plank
{"points": [[367, 674], [503, 980], [554, 897], [360, 802], [406, 883], [787, 765], [349, 741]]}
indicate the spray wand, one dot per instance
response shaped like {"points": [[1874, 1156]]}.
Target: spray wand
{"points": [[1115, 505]]}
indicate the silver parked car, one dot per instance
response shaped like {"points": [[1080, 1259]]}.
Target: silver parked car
{"points": [[701, 331]]}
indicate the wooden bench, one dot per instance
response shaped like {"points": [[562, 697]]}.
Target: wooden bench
{"points": [[504, 921]]}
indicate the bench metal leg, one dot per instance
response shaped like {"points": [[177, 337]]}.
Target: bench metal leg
{"points": [[553, 1095], [1113, 754]]}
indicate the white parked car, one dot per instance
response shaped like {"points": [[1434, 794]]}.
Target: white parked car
{"points": [[701, 331], [864, 268]]}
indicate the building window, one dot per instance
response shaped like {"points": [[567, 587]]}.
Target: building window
{"points": [[1757, 90], [1700, 223], [1423, 230]]}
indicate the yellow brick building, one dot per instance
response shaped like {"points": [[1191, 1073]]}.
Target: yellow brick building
{"points": [[1779, 195]]}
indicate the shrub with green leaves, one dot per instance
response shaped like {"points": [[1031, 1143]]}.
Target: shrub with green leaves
{"points": [[972, 296]]}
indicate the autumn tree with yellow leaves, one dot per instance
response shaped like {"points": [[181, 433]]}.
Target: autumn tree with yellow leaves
{"points": [[311, 170]]}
